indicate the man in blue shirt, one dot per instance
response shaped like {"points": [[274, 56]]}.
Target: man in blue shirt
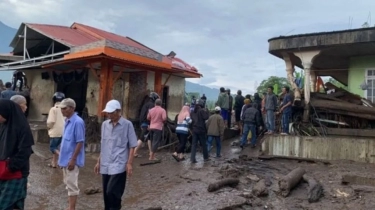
{"points": [[286, 110], [118, 141], [72, 151], [8, 93]]}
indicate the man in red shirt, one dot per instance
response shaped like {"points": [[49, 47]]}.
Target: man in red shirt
{"points": [[157, 117]]}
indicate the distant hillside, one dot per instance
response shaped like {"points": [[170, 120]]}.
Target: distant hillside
{"points": [[211, 93], [6, 35]]}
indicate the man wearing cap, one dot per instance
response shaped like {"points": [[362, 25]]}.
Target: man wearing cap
{"points": [[72, 151], [215, 131], [118, 141]]}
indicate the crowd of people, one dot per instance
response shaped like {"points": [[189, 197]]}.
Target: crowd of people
{"points": [[119, 143]]}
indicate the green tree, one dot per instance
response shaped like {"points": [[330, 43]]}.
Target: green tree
{"points": [[271, 81]]}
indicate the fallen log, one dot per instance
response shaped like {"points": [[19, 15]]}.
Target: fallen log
{"points": [[223, 183], [327, 104], [288, 182], [154, 208], [310, 160], [150, 163], [315, 190]]}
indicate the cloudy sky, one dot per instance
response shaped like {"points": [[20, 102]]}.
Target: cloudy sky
{"points": [[225, 39]]}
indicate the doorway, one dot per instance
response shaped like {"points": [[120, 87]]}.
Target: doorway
{"points": [[73, 85], [164, 97]]}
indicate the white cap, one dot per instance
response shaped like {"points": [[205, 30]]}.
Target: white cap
{"points": [[67, 102], [217, 108], [112, 106]]}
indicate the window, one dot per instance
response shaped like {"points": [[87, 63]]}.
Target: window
{"points": [[370, 80]]}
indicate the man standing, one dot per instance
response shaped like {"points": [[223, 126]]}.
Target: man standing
{"points": [[238, 104], [118, 141], [204, 99], [286, 110], [157, 117], [223, 103], [55, 125], [145, 123], [215, 131], [230, 108], [72, 151], [8, 93], [251, 118], [270, 107]]}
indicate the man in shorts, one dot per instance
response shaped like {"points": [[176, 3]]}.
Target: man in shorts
{"points": [[55, 125]]}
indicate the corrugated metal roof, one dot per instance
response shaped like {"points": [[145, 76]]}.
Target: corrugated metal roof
{"points": [[111, 36], [63, 34]]}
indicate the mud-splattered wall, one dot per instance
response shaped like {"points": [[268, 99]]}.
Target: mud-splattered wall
{"points": [[92, 96], [121, 92], [137, 91], [41, 93], [176, 94]]}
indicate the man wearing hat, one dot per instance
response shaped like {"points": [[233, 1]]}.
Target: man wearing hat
{"points": [[72, 149], [118, 141]]}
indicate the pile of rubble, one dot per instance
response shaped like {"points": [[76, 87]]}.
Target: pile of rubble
{"points": [[342, 109]]}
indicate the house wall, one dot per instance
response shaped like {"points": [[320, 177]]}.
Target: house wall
{"points": [[176, 94], [41, 93], [357, 71], [137, 91], [92, 96]]}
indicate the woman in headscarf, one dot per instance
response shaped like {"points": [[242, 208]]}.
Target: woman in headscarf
{"points": [[182, 131], [15, 149]]}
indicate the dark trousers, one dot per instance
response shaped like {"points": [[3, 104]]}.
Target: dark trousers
{"points": [[156, 138], [182, 142], [113, 189], [202, 140], [229, 118]]}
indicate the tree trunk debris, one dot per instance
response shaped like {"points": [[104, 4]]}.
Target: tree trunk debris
{"points": [[223, 183], [315, 190], [150, 163], [288, 182]]}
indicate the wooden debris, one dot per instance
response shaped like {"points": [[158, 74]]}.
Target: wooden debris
{"points": [[288, 182], [260, 188], [300, 159], [155, 208], [150, 163], [223, 183], [315, 190], [357, 180], [361, 188], [335, 105]]}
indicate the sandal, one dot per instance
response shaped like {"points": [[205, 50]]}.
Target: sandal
{"points": [[51, 166], [176, 158]]}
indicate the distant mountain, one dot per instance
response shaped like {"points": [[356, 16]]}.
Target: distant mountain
{"points": [[6, 35], [211, 93]]}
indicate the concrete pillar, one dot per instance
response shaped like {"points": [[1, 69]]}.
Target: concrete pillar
{"points": [[290, 71], [307, 58], [313, 80]]}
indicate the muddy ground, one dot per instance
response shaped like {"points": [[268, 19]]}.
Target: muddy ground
{"points": [[172, 185]]}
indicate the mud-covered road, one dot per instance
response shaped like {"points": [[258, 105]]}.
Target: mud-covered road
{"points": [[172, 185]]}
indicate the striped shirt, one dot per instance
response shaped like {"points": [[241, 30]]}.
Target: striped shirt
{"points": [[183, 128]]}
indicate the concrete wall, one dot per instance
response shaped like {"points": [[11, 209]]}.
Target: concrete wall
{"points": [[332, 148], [92, 96], [137, 91], [41, 93], [357, 71], [176, 94]]}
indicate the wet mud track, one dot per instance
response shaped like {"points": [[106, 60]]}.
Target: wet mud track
{"points": [[182, 185]]}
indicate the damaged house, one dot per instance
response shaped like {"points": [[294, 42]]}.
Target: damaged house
{"points": [[93, 66], [342, 122]]}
